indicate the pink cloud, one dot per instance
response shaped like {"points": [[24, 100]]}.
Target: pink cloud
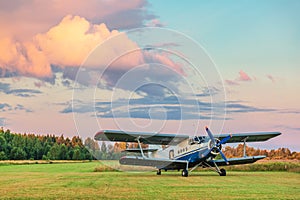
{"points": [[164, 59], [23, 58], [243, 76], [68, 44]]}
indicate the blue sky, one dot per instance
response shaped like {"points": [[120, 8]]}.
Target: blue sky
{"points": [[263, 35]]}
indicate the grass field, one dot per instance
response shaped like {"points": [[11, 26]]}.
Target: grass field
{"points": [[78, 180]]}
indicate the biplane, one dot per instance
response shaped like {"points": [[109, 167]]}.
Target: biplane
{"points": [[183, 152]]}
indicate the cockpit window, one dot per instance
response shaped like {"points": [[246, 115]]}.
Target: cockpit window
{"points": [[197, 140]]}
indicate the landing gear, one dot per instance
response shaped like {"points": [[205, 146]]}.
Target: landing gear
{"points": [[222, 172], [185, 173], [158, 172]]}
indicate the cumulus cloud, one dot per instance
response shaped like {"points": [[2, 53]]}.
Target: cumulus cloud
{"points": [[22, 58], [68, 44]]}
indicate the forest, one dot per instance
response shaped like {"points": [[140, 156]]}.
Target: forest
{"points": [[16, 146]]}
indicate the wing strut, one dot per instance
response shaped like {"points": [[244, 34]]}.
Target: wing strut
{"points": [[138, 139], [244, 152]]}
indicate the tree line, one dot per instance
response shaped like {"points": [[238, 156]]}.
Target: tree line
{"points": [[280, 153], [15, 146]]}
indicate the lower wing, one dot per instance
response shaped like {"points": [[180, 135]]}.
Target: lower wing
{"points": [[181, 164], [237, 161], [153, 162]]}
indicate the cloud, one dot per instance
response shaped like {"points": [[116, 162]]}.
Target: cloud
{"points": [[20, 17], [163, 58], [241, 108], [208, 91], [243, 76], [290, 111], [163, 107], [68, 44], [64, 45], [21, 107], [5, 107], [130, 18], [24, 92], [22, 58], [5, 88], [34, 46]]}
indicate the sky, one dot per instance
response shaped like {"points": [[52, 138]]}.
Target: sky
{"points": [[75, 67]]}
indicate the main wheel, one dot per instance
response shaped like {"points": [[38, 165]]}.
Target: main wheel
{"points": [[222, 172], [185, 173], [158, 172]]}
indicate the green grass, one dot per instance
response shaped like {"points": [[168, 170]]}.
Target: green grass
{"points": [[78, 180], [288, 166]]}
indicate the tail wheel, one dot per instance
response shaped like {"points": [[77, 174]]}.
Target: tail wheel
{"points": [[185, 173], [222, 172]]}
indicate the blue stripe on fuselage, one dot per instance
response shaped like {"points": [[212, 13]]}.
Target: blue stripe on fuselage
{"points": [[192, 156]]}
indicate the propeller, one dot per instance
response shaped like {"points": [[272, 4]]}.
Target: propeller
{"points": [[217, 144]]}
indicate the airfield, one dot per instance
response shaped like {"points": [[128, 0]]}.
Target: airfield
{"points": [[84, 181]]}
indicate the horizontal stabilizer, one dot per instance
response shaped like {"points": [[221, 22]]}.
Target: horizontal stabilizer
{"points": [[238, 161]]}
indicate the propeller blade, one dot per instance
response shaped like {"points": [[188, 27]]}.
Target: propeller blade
{"points": [[224, 140], [206, 152], [210, 136], [224, 157]]}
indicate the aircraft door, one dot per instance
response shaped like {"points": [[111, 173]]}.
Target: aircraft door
{"points": [[171, 154]]}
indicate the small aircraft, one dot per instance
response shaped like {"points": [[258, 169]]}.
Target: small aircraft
{"points": [[182, 151]]}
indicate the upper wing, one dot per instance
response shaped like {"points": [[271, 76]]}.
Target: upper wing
{"points": [[146, 138], [250, 137]]}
